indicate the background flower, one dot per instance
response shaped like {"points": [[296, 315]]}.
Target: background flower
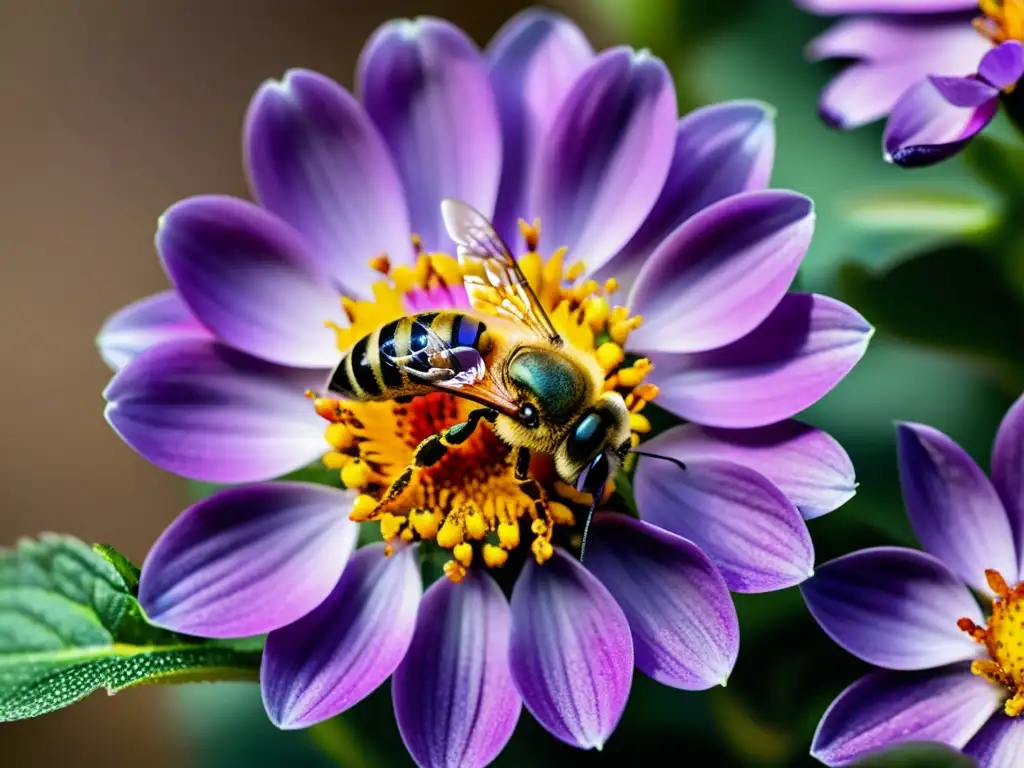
{"points": [[936, 69], [945, 676]]}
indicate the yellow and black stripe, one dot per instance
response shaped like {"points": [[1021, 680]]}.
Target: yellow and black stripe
{"points": [[366, 372]]}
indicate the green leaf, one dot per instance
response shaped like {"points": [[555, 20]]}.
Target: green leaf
{"points": [[918, 755], [70, 624], [953, 299], [935, 212]]}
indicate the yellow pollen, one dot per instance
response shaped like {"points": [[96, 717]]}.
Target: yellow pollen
{"points": [[610, 356], [450, 534], [469, 502], [508, 535], [494, 557], [463, 553], [1002, 20], [339, 436], [455, 571], [335, 460], [355, 474], [390, 526], [476, 526], [1004, 639], [362, 508]]}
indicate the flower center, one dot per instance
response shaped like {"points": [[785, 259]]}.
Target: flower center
{"points": [[1004, 639], [470, 501], [1002, 20]]}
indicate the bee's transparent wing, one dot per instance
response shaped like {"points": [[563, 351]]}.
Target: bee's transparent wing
{"points": [[494, 282], [459, 370]]}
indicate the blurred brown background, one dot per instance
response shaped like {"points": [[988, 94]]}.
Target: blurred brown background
{"points": [[111, 111]]}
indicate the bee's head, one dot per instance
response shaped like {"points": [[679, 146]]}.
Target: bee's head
{"points": [[595, 445]]}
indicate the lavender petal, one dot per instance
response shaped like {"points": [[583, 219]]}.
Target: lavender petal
{"points": [[248, 560]]}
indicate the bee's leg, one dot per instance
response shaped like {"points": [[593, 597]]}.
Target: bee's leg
{"points": [[529, 486], [431, 450]]}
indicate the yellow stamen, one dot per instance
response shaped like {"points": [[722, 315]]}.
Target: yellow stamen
{"points": [[508, 535], [494, 557], [639, 423], [455, 571], [381, 263], [355, 474], [560, 514], [390, 526], [463, 553], [339, 436], [610, 356], [1004, 640], [450, 534], [476, 527], [362, 508], [335, 460]]}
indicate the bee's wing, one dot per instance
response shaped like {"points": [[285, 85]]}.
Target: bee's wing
{"points": [[459, 370], [493, 280]]}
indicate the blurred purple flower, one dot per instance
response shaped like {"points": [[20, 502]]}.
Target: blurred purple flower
{"points": [[945, 675], [211, 378], [937, 75]]}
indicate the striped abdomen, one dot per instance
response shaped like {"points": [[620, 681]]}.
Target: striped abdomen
{"points": [[366, 372]]}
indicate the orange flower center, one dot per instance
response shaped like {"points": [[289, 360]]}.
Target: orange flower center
{"points": [[1004, 639], [1002, 20]]}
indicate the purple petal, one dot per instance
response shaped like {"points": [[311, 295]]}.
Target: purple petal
{"points": [[865, 92], [964, 91], [719, 275], [789, 362], [571, 651], [884, 708], [684, 625], [925, 128], [748, 528], [834, 7], [606, 156], [250, 279], [248, 560], [720, 150], [953, 508], [940, 45], [334, 656], [894, 54], [807, 465], [424, 85], [999, 744], [202, 410], [1008, 470], [144, 324], [316, 160], [534, 59], [1003, 66], [455, 702], [893, 607]]}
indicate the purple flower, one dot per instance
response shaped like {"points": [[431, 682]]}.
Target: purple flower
{"points": [[934, 67], [673, 215], [952, 670]]}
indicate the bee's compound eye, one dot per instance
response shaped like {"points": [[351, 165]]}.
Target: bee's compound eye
{"points": [[528, 416]]}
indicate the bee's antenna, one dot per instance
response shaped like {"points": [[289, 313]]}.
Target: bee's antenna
{"points": [[677, 462]]}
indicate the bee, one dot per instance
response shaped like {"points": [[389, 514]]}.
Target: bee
{"points": [[538, 393]]}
